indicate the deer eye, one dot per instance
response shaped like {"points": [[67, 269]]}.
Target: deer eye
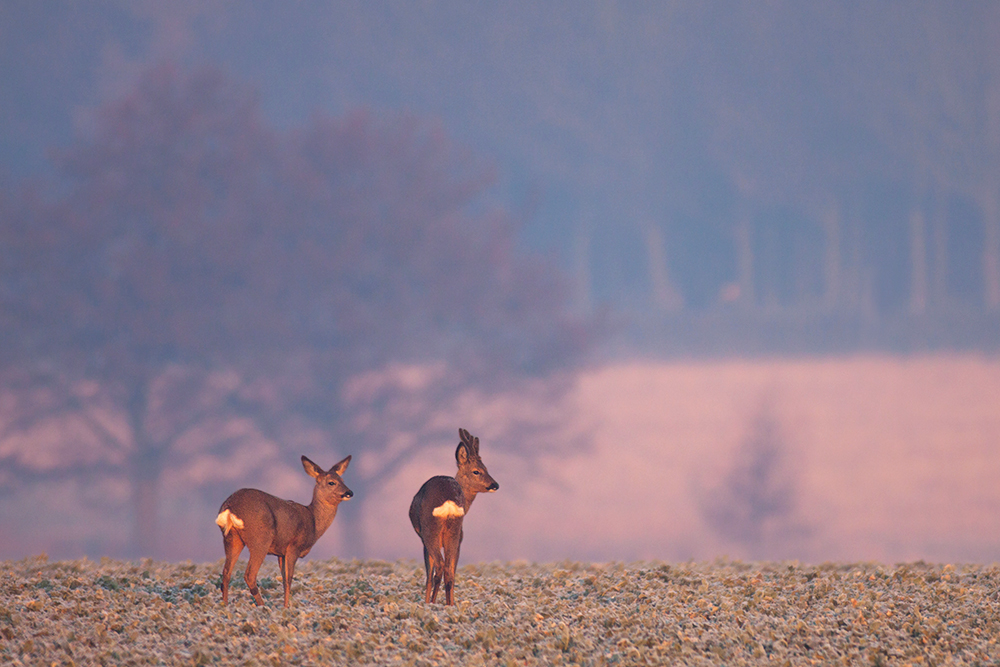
{"points": [[476, 472], [331, 483]]}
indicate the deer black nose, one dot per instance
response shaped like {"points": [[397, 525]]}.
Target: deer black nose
{"points": [[349, 494], [493, 487]]}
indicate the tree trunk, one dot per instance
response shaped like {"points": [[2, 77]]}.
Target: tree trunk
{"points": [[991, 208], [145, 480], [744, 255], [666, 298], [918, 263], [351, 517], [991, 249], [581, 266], [939, 235], [852, 278], [144, 471], [831, 257]]}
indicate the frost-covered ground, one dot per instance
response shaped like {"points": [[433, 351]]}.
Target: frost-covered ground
{"points": [[122, 613]]}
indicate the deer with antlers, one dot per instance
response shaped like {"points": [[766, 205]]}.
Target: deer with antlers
{"points": [[437, 512]]}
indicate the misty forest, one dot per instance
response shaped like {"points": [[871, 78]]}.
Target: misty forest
{"points": [[233, 235]]}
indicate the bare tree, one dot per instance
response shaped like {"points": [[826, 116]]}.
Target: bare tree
{"points": [[126, 323], [423, 297], [197, 269], [756, 503]]}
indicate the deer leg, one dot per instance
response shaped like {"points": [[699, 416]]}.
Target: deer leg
{"points": [[452, 540], [287, 574], [250, 576], [428, 568], [449, 586], [449, 583], [234, 546], [434, 582], [281, 569], [437, 581]]}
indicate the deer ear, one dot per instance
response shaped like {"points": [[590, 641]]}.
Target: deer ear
{"points": [[311, 468], [462, 454], [342, 466]]}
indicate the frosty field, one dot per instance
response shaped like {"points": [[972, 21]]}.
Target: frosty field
{"points": [[371, 612]]}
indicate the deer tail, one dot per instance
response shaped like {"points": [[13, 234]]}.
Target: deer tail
{"points": [[227, 521], [448, 510]]}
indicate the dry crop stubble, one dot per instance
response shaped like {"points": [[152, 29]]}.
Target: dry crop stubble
{"points": [[371, 612]]}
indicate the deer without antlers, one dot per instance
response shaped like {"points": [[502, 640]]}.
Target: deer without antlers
{"points": [[269, 525], [437, 512]]}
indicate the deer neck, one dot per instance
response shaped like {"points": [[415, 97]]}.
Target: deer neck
{"points": [[469, 497], [467, 492], [323, 515]]}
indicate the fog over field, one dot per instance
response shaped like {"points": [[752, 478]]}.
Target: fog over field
{"points": [[714, 279], [872, 458]]}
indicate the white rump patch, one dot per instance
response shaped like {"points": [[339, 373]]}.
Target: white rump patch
{"points": [[448, 510], [227, 521]]}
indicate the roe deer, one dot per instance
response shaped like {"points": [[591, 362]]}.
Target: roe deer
{"points": [[269, 525], [437, 512]]}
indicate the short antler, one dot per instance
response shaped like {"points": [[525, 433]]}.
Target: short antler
{"points": [[469, 440]]}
